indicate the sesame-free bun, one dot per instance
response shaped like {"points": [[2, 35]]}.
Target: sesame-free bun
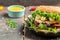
{"points": [[54, 9]]}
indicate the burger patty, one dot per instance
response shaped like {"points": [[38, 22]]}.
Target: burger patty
{"points": [[39, 20]]}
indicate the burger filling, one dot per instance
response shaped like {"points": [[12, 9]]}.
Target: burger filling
{"points": [[41, 20]]}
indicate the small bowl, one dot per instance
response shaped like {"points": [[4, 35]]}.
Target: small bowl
{"points": [[16, 13]]}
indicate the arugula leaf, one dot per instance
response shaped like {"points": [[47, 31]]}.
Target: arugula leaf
{"points": [[37, 12], [57, 17], [52, 29], [42, 26], [11, 23]]}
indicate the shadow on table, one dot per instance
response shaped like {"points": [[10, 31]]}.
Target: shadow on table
{"points": [[6, 16], [32, 35], [20, 29]]}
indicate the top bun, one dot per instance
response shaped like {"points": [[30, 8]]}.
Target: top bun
{"points": [[54, 9]]}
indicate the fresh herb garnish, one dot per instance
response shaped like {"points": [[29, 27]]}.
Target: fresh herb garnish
{"points": [[11, 23]]}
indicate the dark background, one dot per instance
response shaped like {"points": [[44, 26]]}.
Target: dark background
{"points": [[29, 2]]}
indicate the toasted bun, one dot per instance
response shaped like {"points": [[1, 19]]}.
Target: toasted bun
{"points": [[54, 9]]}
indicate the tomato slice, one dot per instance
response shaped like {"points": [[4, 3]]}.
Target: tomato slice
{"points": [[33, 9], [36, 23], [57, 24]]}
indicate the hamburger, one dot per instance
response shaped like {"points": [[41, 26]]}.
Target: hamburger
{"points": [[45, 19]]}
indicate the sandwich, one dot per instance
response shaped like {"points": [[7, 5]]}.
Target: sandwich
{"points": [[44, 19]]}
